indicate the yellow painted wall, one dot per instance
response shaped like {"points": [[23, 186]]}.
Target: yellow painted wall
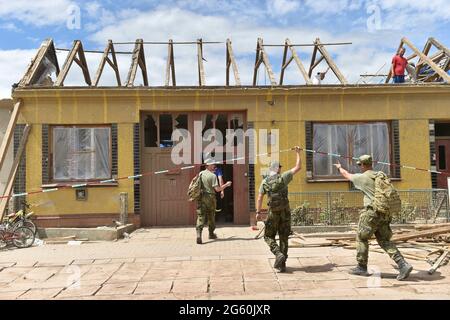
{"points": [[412, 106]]}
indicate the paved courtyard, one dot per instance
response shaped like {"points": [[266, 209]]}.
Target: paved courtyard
{"points": [[165, 263]]}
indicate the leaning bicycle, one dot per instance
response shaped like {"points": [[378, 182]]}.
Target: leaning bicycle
{"points": [[21, 218], [20, 237]]}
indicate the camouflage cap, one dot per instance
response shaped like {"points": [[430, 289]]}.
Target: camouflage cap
{"points": [[274, 166], [364, 159]]}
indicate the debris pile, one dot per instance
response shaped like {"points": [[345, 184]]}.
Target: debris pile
{"points": [[431, 243]]}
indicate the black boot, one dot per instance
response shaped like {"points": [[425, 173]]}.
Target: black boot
{"points": [[212, 235], [359, 270], [405, 269], [199, 236], [280, 260]]}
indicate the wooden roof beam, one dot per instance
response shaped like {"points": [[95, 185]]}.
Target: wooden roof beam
{"points": [[427, 60], [262, 57], [47, 50], [231, 61], [170, 67], [201, 68], [321, 48], [105, 58], [137, 60], [77, 50], [294, 57]]}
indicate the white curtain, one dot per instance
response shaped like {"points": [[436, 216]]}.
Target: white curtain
{"points": [[81, 153], [350, 140]]}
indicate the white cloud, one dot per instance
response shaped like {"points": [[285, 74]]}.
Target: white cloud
{"points": [[38, 13], [9, 26], [13, 64], [281, 7]]}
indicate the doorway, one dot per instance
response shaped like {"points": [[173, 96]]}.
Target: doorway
{"points": [[443, 153], [164, 196]]}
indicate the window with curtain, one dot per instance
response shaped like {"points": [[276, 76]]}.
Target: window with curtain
{"points": [[353, 140], [81, 153]]}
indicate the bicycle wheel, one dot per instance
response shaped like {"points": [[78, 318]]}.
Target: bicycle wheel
{"points": [[23, 237], [28, 224], [3, 243]]}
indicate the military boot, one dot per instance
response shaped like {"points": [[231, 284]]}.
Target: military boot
{"points": [[199, 236], [212, 235], [405, 269], [359, 270], [280, 260], [282, 267]]}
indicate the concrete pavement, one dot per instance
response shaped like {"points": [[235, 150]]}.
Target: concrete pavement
{"points": [[165, 263]]}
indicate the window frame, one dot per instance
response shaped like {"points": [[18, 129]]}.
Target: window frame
{"points": [[51, 152], [338, 177]]}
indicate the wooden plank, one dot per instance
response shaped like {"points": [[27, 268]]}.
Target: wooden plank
{"points": [[421, 234], [284, 63], [313, 60], [257, 59], [13, 172], [330, 62], [232, 61], [170, 66], [201, 68], [299, 63], [317, 62], [439, 45], [438, 262], [265, 59], [9, 132], [427, 60]]}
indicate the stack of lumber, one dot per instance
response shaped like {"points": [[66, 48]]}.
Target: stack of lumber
{"points": [[433, 240]]}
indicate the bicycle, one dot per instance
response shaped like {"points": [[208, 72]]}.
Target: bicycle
{"points": [[22, 218], [21, 237]]}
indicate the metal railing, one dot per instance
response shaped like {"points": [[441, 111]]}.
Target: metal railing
{"points": [[343, 207]]}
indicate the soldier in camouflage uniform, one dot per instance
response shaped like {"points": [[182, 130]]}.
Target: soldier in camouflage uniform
{"points": [[372, 222], [206, 205], [279, 218]]}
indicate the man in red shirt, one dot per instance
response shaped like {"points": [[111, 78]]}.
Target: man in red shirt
{"points": [[398, 66]]}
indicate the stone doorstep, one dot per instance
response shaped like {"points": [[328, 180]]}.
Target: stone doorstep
{"points": [[93, 234]]}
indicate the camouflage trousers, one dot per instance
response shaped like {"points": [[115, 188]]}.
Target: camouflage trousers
{"points": [[278, 222], [206, 207], [370, 223]]}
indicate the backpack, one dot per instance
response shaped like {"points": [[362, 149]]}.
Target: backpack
{"points": [[195, 189], [277, 192], [387, 200]]}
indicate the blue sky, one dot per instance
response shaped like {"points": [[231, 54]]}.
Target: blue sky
{"points": [[375, 28]]}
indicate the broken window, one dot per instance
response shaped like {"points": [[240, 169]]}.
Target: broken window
{"points": [[222, 126], [442, 158], [150, 132], [81, 153], [350, 140], [181, 121], [165, 130]]}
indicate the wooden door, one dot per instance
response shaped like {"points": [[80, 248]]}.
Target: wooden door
{"points": [[443, 161]]}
